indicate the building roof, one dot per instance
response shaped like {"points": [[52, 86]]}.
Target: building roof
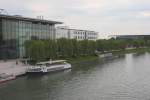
{"points": [[81, 30], [18, 17], [51, 62], [75, 29]]}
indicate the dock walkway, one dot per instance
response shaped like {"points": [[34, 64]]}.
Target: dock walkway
{"points": [[12, 68]]}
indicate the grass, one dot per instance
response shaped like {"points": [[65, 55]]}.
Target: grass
{"points": [[137, 50], [93, 58], [82, 59]]}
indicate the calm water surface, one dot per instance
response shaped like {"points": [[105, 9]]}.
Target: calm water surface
{"points": [[126, 78]]}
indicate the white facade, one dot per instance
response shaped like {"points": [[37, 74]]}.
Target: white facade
{"points": [[65, 32], [78, 34], [62, 32], [91, 35]]}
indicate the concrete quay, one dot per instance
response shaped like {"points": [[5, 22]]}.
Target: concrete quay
{"points": [[12, 67]]}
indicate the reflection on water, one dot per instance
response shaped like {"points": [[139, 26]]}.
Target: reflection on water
{"points": [[126, 78]]}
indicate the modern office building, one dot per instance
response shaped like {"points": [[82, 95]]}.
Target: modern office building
{"points": [[15, 30], [62, 32], [66, 32]]}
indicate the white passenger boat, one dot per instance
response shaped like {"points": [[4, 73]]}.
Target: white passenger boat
{"points": [[49, 66]]}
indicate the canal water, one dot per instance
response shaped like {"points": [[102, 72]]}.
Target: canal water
{"points": [[125, 78]]}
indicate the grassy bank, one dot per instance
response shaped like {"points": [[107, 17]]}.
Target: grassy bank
{"points": [[92, 58], [81, 59], [137, 50]]}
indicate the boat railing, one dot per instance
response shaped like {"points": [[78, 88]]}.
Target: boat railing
{"points": [[51, 62]]}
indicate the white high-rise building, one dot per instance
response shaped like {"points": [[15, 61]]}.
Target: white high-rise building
{"points": [[66, 32]]}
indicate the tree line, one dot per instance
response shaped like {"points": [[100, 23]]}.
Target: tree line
{"points": [[39, 50]]}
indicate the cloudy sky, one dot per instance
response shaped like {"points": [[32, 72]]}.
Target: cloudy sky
{"points": [[104, 16]]}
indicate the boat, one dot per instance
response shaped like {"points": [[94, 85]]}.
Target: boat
{"points": [[49, 66], [106, 55], [6, 77]]}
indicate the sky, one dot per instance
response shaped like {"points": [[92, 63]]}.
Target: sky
{"points": [[108, 17]]}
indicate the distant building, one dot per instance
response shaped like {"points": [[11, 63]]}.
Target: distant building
{"points": [[15, 30], [66, 32], [125, 37], [62, 32]]}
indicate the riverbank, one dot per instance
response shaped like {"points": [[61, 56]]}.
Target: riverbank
{"points": [[11, 68], [82, 59], [8, 67], [136, 50], [118, 53]]}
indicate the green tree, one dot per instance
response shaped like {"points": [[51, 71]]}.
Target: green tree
{"points": [[35, 50]]}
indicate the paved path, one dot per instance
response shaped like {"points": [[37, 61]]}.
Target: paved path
{"points": [[10, 67]]}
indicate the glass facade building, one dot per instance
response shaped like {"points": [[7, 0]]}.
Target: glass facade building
{"points": [[15, 30]]}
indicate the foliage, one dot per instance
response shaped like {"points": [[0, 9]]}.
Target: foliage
{"points": [[40, 50]]}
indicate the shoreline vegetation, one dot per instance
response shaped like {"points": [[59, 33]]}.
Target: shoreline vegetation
{"points": [[136, 50], [95, 57], [79, 51]]}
